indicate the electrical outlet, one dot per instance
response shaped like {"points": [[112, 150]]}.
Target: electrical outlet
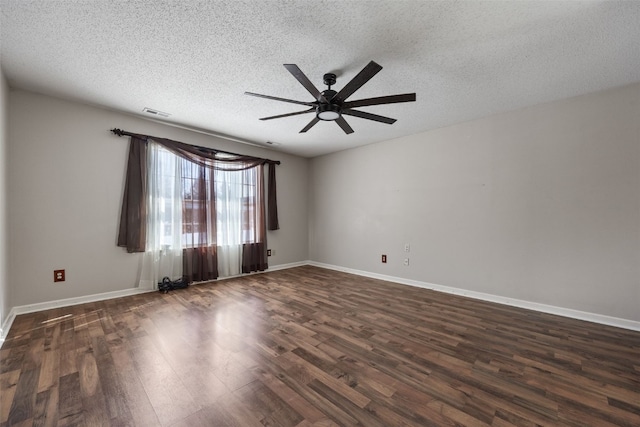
{"points": [[269, 252], [406, 261], [384, 259], [58, 275], [407, 247]]}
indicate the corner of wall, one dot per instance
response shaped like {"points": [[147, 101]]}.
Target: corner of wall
{"points": [[4, 288]]}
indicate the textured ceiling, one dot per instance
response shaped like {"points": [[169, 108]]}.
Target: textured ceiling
{"points": [[195, 59]]}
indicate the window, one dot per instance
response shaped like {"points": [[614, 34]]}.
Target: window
{"points": [[186, 204], [197, 206]]}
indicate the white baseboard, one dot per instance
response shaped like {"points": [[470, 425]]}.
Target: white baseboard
{"points": [[4, 327], [286, 266], [269, 269], [544, 308]]}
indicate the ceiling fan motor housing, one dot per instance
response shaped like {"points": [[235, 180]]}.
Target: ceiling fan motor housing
{"points": [[328, 94]]}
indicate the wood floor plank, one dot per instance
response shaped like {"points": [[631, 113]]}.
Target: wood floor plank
{"points": [[24, 398], [293, 399], [70, 411], [46, 412], [313, 347], [170, 399], [142, 412], [8, 383], [267, 406]]}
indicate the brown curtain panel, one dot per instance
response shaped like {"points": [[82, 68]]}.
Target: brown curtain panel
{"points": [[199, 258], [132, 233], [254, 257], [272, 203], [199, 264]]}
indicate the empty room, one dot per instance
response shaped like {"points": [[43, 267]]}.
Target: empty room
{"points": [[186, 239]]}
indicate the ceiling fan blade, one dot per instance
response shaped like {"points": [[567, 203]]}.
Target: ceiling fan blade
{"points": [[344, 125], [304, 81], [289, 114], [370, 70], [391, 99], [368, 116], [310, 125], [275, 98]]}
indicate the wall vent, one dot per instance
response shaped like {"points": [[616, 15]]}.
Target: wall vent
{"points": [[155, 112]]}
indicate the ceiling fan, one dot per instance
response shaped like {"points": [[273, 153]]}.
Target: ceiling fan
{"points": [[330, 105]]}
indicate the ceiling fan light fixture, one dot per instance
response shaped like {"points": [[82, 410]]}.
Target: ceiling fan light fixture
{"points": [[328, 112]]}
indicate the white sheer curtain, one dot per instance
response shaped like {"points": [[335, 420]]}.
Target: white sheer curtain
{"points": [[229, 221], [163, 256]]}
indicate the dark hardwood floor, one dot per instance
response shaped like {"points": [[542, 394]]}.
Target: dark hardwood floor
{"points": [[308, 346]]}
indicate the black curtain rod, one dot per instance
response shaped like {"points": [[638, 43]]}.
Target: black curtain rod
{"points": [[121, 132]]}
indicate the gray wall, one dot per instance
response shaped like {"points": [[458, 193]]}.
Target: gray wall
{"points": [[540, 204], [65, 182], [4, 283]]}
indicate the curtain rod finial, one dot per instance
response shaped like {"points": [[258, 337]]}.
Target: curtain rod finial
{"points": [[118, 132]]}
